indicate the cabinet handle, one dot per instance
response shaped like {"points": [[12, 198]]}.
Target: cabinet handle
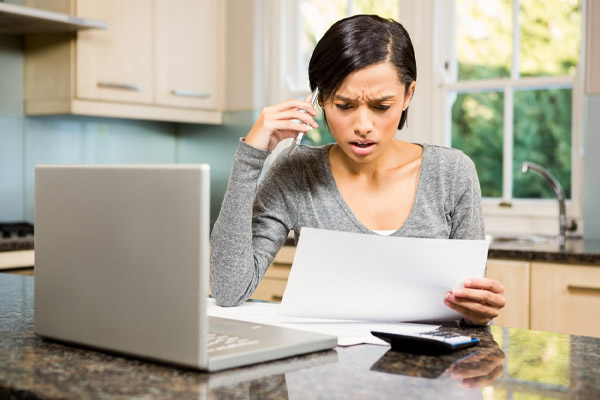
{"points": [[276, 297], [123, 86], [584, 288], [190, 93]]}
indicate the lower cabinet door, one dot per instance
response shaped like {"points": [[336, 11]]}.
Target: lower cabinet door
{"points": [[273, 284], [514, 276], [565, 298], [270, 289]]}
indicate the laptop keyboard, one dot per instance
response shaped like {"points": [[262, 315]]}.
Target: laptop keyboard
{"points": [[221, 341]]}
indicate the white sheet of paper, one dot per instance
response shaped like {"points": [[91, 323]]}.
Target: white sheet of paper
{"points": [[348, 332], [357, 276]]}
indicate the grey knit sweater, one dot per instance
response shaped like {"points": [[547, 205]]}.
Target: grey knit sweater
{"points": [[299, 190]]}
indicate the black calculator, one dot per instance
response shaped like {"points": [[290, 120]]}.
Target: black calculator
{"points": [[429, 342]]}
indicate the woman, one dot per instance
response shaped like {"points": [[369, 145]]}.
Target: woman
{"points": [[367, 181]]}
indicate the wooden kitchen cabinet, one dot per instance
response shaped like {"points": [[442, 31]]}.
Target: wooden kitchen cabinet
{"points": [[272, 286], [116, 64], [565, 298], [187, 53], [157, 60], [515, 277]]}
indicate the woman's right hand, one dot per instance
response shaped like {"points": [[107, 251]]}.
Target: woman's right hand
{"points": [[276, 123]]}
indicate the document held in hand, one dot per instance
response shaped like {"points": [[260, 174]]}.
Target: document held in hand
{"points": [[359, 276]]}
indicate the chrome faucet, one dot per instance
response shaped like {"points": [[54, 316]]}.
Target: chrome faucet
{"points": [[560, 196]]}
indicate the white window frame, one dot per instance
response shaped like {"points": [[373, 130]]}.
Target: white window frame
{"points": [[292, 80], [433, 36], [509, 215]]}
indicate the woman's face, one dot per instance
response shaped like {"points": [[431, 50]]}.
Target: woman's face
{"points": [[364, 113]]}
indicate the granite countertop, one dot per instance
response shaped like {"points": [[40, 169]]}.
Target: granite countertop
{"points": [[576, 251], [509, 363]]}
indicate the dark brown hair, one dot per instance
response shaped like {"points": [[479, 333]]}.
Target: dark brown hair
{"points": [[357, 42]]}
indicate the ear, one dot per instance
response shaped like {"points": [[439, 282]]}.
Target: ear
{"points": [[409, 94]]}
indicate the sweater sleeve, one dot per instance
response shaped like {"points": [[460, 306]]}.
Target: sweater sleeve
{"points": [[467, 218], [251, 227]]}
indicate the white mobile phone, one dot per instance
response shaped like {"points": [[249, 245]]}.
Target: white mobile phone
{"points": [[296, 142]]}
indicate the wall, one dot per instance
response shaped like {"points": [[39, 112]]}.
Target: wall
{"points": [[216, 146], [11, 129], [27, 141], [591, 188], [591, 191]]}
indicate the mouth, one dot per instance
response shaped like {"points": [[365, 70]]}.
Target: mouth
{"points": [[362, 144], [362, 147]]}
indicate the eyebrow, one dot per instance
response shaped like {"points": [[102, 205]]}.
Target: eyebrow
{"points": [[347, 99]]}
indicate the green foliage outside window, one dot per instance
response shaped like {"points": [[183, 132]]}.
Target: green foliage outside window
{"points": [[542, 135], [550, 36], [477, 130]]}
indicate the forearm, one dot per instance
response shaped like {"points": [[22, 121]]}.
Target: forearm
{"points": [[234, 273]]}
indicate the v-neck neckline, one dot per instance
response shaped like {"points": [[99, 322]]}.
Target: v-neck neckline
{"points": [[338, 195]]}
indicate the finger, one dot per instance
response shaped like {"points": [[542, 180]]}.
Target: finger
{"points": [[286, 127], [478, 307], [486, 380], [478, 382], [483, 368], [467, 361], [293, 115], [485, 284], [481, 296], [474, 313], [294, 104]]}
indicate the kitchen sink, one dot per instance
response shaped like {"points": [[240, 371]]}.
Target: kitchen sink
{"points": [[527, 239], [523, 240]]}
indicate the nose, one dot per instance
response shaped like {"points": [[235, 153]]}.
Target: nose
{"points": [[363, 123]]}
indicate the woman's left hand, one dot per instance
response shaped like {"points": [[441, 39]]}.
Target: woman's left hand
{"points": [[479, 301]]}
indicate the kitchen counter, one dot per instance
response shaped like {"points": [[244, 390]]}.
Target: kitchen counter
{"points": [[576, 251], [507, 364]]}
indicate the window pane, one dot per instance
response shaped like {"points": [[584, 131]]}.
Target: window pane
{"points": [[542, 134], [383, 8], [477, 131], [550, 37], [483, 38], [318, 16]]}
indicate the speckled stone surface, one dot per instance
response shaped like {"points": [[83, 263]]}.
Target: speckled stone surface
{"points": [[509, 363], [576, 251]]}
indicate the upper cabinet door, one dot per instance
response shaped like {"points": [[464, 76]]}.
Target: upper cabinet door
{"points": [[187, 56], [116, 64]]}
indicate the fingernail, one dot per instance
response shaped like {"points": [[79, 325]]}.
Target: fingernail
{"points": [[468, 282], [457, 292]]}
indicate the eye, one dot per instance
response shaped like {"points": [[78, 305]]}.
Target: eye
{"points": [[382, 107], [343, 106]]}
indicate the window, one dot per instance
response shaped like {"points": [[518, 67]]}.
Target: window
{"points": [[306, 22], [498, 79], [510, 82]]}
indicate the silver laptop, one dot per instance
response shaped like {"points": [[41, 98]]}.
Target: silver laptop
{"points": [[121, 264]]}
